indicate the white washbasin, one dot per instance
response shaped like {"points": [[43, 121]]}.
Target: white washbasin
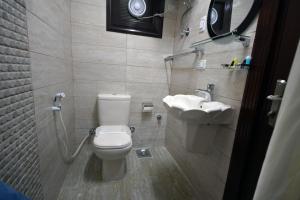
{"points": [[183, 102], [198, 109]]}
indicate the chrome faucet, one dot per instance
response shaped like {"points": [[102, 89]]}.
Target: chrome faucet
{"points": [[210, 89]]}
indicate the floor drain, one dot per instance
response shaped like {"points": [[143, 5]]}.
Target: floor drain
{"points": [[143, 153]]}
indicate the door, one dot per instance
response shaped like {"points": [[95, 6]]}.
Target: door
{"points": [[274, 48]]}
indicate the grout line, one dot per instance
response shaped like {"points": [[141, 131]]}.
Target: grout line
{"points": [[51, 85], [44, 54], [124, 48], [87, 3], [44, 22]]}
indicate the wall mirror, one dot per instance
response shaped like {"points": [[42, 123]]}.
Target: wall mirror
{"points": [[227, 16]]}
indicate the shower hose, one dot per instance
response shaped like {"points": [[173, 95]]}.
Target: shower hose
{"points": [[65, 142]]}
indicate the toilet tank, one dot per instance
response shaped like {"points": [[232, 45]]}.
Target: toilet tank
{"points": [[113, 109]]}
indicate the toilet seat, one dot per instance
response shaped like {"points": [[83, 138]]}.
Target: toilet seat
{"points": [[113, 129], [112, 137], [112, 140]]}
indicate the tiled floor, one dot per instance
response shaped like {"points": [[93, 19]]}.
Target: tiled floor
{"points": [[156, 178]]}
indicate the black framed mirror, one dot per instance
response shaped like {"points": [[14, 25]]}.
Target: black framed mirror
{"points": [[231, 16]]}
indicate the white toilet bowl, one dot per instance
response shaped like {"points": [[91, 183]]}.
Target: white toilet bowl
{"points": [[112, 141], [111, 144]]}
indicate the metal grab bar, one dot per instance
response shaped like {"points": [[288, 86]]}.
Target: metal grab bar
{"points": [[196, 50]]}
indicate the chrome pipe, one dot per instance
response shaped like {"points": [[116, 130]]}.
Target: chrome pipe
{"points": [[182, 54]]}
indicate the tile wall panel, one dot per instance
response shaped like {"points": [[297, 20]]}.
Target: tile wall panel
{"points": [[19, 158]]}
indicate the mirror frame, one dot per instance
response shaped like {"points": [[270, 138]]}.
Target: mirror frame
{"points": [[242, 27]]}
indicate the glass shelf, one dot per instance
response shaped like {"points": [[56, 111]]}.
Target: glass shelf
{"points": [[199, 46], [245, 40]]}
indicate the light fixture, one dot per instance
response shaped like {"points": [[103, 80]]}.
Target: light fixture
{"points": [[137, 8]]}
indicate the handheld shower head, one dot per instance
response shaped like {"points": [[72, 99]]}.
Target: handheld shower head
{"points": [[57, 100], [59, 96]]}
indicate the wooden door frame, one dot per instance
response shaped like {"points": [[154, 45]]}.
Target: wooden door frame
{"points": [[274, 48]]}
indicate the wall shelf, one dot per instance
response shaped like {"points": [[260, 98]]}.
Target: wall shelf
{"points": [[199, 46], [245, 40]]}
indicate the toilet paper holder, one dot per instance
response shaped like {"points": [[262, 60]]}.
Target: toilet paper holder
{"points": [[147, 107]]}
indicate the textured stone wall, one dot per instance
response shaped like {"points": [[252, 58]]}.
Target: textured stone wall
{"points": [[19, 161]]}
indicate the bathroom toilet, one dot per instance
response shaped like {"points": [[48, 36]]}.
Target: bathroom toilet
{"points": [[112, 141]]}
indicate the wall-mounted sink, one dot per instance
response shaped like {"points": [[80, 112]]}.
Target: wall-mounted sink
{"points": [[198, 109], [200, 119]]}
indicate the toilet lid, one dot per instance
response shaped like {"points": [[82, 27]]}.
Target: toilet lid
{"points": [[112, 140]]}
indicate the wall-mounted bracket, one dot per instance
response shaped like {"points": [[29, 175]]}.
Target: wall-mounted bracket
{"points": [[245, 40]]}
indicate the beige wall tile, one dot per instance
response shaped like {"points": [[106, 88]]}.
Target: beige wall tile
{"points": [[140, 90], [92, 2], [145, 58], [97, 35], [148, 43], [57, 9], [85, 123], [171, 9], [85, 88], [98, 54], [43, 39], [83, 13], [159, 76], [139, 74], [99, 72], [169, 28], [47, 70], [109, 87]]}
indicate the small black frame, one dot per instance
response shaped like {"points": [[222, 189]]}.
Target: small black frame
{"points": [[118, 19], [242, 27]]}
